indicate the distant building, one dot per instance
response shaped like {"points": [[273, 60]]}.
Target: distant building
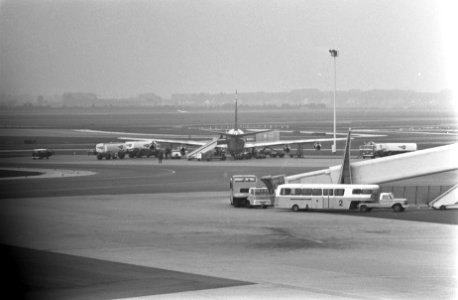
{"points": [[79, 100]]}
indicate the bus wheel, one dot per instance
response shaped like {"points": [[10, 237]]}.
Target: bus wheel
{"points": [[295, 208], [364, 208], [397, 208]]}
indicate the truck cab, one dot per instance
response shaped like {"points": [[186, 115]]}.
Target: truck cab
{"points": [[239, 186], [259, 197], [385, 200]]}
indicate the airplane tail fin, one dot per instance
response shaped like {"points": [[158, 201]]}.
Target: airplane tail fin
{"points": [[345, 172]]}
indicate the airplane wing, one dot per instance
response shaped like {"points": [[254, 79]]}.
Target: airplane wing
{"points": [[181, 142], [288, 142]]}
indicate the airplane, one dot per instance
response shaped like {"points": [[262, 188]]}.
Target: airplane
{"points": [[234, 141]]}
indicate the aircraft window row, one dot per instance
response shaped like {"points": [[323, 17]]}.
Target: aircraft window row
{"points": [[361, 192]]}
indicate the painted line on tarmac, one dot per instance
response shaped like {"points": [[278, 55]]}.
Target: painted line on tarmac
{"points": [[46, 173]]}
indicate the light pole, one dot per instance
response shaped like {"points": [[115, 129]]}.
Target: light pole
{"points": [[334, 54]]}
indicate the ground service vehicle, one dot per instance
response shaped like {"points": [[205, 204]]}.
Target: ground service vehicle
{"points": [[385, 200], [259, 197], [217, 154], [239, 187], [372, 150], [42, 153], [110, 150], [298, 196], [176, 154], [446, 206], [139, 149]]}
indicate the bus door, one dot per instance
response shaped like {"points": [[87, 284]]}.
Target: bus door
{"points": [[338, 199], [328, 198], [317, 198]]}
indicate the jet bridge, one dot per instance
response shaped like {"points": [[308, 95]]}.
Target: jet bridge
{"points": [[391, 168], [381, 170]]}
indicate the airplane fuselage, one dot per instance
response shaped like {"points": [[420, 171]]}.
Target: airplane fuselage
{"points": [[235, 146]]}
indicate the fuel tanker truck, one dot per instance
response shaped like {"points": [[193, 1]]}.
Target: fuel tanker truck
{"points": [[110, 150], [373, 150]]}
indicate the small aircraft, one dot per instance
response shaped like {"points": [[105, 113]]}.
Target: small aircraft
{"points": [[234, 141]]}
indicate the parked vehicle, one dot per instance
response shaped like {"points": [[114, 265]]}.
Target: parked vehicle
{"points": [[372, 150], [385, 200], [139, 149], [110, 150], [447, 206], [239, 186], [259, 197], [42, 153], [305, 196]]}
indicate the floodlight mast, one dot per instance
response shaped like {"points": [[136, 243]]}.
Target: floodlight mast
{"points": [[334, 53]]}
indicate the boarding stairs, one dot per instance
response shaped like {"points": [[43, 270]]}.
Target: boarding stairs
{"points": [[210, 146], [447, 198]]}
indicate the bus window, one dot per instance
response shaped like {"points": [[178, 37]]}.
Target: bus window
{"points": [[339, 192], [296, 192], [317, 192], [366, 192], [356, 191], [244, 179], [328, 192], [307, 192], [285, 192]]}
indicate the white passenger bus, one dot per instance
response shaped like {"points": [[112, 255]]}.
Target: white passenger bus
{"points": [[297, 196]]}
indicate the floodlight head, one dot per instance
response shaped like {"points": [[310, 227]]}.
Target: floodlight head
{"points": [[334, 53]]}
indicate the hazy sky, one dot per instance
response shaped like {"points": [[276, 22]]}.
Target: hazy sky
{"points": [[124, 48]]}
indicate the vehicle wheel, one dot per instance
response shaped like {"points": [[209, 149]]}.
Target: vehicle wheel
{"points": [[442, 207], [364, 208], [264, 206], [108, 156], [295, 208], [397, 208], [99, 156]]}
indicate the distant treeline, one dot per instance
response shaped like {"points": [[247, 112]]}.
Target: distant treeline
{"points": [[307, 98]]}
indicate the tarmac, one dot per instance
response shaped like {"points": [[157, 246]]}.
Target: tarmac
{"points": [[190, 244]]}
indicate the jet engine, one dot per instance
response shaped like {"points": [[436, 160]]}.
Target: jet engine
{"points": [[317, 146]]}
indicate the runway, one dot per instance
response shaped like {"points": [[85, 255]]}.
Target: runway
{"points": [[171, 227]]}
